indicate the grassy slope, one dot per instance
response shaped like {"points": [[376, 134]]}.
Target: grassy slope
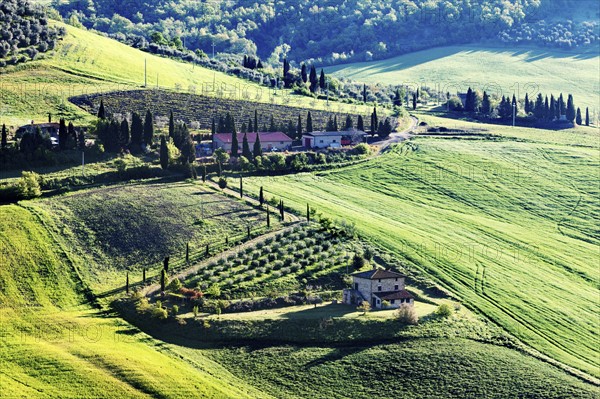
{"points": [[497, 70], [53, 347], [126, 227], [507, 225], [88, 63]]}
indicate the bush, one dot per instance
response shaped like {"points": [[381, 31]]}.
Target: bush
{"points": [[406, 314], [159, 312], [222, 183], [361, 149], [28, 186], [444, 311], [174, 285]]}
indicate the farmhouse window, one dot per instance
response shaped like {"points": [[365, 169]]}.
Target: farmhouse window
{"points": [[356, 286], [378, 301], [320, 141], [334, 140], [378, 288], [379, 281], [396, 287], [393, 301], [396, 278]]}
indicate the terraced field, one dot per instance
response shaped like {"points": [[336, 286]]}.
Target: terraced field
{"points": [[508, 224]]}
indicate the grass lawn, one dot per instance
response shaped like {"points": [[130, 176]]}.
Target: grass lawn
{"points": [[497, 70], [321, 311], [506, 224]]}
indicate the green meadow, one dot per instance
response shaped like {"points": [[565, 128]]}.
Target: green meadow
{"points": [[494, 69], [507, 224]]}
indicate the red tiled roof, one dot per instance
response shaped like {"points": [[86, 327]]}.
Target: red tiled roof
{"points": [[375, 274], [389, 295], [264, 137]]}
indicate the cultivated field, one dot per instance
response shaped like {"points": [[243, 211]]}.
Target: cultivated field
{"points": [[496, 70], [508, 224]]}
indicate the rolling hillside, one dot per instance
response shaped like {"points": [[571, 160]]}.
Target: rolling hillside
{"points": [[496, 70], [86, 63], [508, 224]]}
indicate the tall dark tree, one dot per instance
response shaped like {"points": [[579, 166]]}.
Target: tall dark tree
{"points": [[570, 109], [364, 93], [137, 130], [309, 123], [397, 98], [314, 80], [414, 101], [81, 140], [374, 121], [349, 125], [166, 263], [163, 278], [486, 105], [171, 125], [257, 150], [235, 145], [268, 217], [188, 149], [304, 74], [63, 135], [241, 187], [360, 124], [101, 110], [261, 196], [322, 81], [255, 121], [330, 127], [213, 127], [299, 127], [587, 117], [164, 153], [470, 101], [526, 105], [547, 115], [4, 141], [127, 283], [246, 148], [272, 125], [144, 275], [539, 110], [561, 106], [335, 124], [124, 133], [71, 132], [148, 129], [578, 118], [291, 129], [551, 112]]}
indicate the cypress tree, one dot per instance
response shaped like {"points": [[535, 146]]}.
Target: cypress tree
{"points": [[486, 105], [268, 217], [349, 124], [4, 141], [241, 188], [307, 213], [335, 124], [469, 103], [62, 135], [164, 153], [163, 277], [256, 121], [299, 128], [81, 140], [578, 119], [309, 123], [364, 93], [127, 283], [272, 126], [314, 81], [204, 173], [71, 132], [137, 129], [148, 129], [144, 275], [587, 117], [561, 106], [261, 198], [171, 125], [246, 148], [374, 121], [546, 109], [207, 251], [166, 264], [235, 146], [244, 128], [414, 101], [291, 129], [360, 125], [257, 147], [397, 98], [124, 133], [570, 109], [322, 80], [304, 74], [526, 105], [282, 210], [213, 127], [101, 110], [539, 107], [551, 112]]}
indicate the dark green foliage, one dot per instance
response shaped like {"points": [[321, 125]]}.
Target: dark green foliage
{"points": [[470, 101], [587, 116], [187, 252], [144, 275], [578, 118], [349, 124], [246, 148], [203, 173], [63, 135], [188, 149], [385, 129], [268, 217], [4, 140], [148, 129], [171, 125], [360, 124], [486, 105], [101, 110], [374, 121], [570, 112], [241, 188], [299, 127], [314, 80], [304, 74], [414, 101], [124, 133], [261, 197], [163, 278], [164, 153], [234, 145], [166, 264], [127, 283], [137, 131], [309, 123], [322, 81], [358, 261], [307, 213], [222, 183], [257, 150]]}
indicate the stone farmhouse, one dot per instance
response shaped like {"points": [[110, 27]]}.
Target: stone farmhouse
{"points": [[376, 286], [332, 139], [269, 141]]}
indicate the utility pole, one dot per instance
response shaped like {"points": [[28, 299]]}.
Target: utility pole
{"points": [[145, 72], [514, 113], [83, 163], [328, 93]]}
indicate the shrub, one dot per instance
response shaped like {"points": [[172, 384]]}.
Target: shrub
{"points": [[444, 311], [364, 307], [406, 314], [159, 312], [222, 183], [174, 285], [175, 310], [28, 186]]}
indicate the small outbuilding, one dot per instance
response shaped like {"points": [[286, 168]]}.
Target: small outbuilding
{"points": [[332, 139]]}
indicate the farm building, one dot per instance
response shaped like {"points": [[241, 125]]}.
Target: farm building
{"points": [[50, 129], [332, 139], [376, 286], [270, 141]]}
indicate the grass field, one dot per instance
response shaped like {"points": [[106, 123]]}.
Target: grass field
{"points": [[496, 70], [86, 63], [128, 227], [507, 224]]}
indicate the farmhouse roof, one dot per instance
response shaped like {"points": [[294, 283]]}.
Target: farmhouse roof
{"points": [[375, 274], [41, 125], [264, 137], [324, 134], [388, 295]]}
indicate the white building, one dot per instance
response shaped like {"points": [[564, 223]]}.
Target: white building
{"points": [[376, 286]]}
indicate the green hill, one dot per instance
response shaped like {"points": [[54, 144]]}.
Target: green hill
{"points": [[498, 70], [506, 223], [87, 63]]}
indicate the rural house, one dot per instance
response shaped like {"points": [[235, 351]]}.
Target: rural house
{"points": [[50, 129], [269, 140], [377, 286], [332, 139]]}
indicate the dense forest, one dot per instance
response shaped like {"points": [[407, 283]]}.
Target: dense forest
{"points": [[24, 32], [332, 31]]}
